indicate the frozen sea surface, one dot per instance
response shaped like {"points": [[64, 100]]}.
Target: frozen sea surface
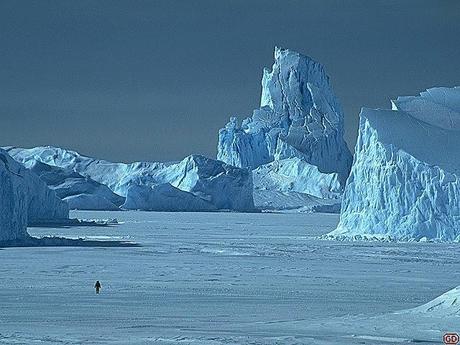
{"points": [[221, 278]]}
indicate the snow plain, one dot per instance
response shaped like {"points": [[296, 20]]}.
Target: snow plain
{"points": [[223, 278]]}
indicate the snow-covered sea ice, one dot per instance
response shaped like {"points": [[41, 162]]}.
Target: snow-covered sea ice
{"points": [[222, 278]]}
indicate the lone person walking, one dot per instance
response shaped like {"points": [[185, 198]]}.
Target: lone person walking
{"points": [[97, 286]]}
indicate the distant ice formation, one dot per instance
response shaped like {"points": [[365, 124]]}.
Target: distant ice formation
{"points": [[210, 184], [79, 192], [293, 143], [300, 121], [405, 179], [164, 197]]}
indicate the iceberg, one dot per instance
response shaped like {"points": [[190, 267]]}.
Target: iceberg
{"points": [[13, 203], [25, 200], [221, 185], [164, 197], [293, 184], [43, 204], [294, 142], [79, 192], [225, 186], [405, 180], [296, 175], [270, 200], [299, 116]]}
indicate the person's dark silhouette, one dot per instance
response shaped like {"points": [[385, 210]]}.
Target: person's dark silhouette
{"points": [[97, 286]]}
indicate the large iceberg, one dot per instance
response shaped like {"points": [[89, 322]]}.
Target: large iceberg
{"points": [[13, 202], [299, 116], [25, 200], [219, 185], [294, 142], [405, 179]]}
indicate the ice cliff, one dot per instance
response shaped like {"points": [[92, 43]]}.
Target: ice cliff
{"points": [[43, 205], [405, 179], [13, 203], [24, 199], [210, 184]]}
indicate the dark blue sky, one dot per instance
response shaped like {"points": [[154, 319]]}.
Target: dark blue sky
{"points": [[155, 80]]}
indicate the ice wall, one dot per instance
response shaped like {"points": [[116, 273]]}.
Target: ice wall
{"points": [[43, 204], [405, 179], [13, 203], [24, 200]]}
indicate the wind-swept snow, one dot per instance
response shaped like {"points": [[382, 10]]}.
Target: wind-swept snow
{"points": [[405, 180], [446, 305]]}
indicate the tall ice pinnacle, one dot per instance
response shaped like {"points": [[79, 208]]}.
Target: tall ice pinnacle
{"points": [[299, 116]]}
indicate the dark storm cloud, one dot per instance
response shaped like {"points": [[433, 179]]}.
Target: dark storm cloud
{"points": [[155, 80]]}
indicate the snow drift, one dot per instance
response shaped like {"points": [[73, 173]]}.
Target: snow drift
{"points": [[446, 305], [218, 185], [405, 179]]}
